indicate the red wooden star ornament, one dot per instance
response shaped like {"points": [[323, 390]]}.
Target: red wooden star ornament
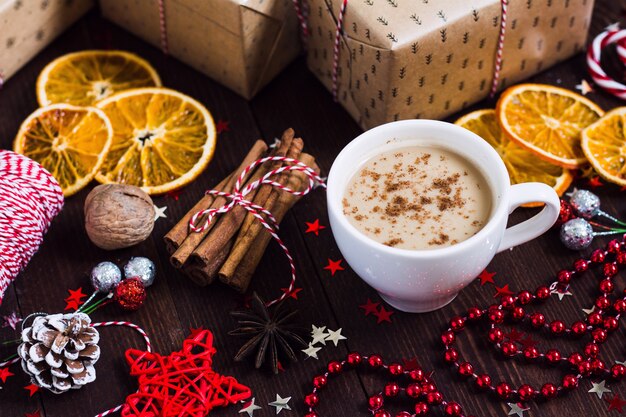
{"points": [[182, 383]]}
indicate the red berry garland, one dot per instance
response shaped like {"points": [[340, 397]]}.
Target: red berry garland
{"points": [[598, 325]]}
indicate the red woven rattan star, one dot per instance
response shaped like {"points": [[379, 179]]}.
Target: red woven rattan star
{"points": [[182, 383]]}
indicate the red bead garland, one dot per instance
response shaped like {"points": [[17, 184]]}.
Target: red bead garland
{"points": [[598, 324]]}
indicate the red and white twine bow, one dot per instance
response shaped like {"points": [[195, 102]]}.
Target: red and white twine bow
{"points": [[594, 54], [237, 198]]}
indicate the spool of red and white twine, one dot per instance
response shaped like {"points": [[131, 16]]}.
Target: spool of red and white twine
{"points": [[29, 199], [237, 198], [594, 55]]}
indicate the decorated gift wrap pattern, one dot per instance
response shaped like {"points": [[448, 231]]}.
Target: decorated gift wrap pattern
{"points": [[29, 25], [403, 59], [241, 44]]}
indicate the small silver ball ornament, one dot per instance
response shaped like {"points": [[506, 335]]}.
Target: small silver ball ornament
{"points": [[585, 203], [142, 268], [576, 234], [105, 276]]}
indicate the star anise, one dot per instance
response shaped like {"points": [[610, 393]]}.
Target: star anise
{"points": [[271, 332]]}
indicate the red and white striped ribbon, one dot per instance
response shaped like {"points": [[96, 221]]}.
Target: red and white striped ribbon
{"points": [[148, 348], [497, 66], [29, 199], [594, 54], [237, 198], [302, 14], [163, 28]]}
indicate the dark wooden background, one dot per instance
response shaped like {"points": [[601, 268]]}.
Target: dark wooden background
{"points": [[295, 99]]}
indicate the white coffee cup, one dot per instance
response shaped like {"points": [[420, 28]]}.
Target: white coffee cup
{"points": [[425, 280]]}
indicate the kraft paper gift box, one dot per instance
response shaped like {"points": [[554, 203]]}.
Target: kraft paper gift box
{"points": [[404, 59], [242, 44], [27, 26]]}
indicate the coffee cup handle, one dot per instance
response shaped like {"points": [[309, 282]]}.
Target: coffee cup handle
{"points": [[531, 192]]}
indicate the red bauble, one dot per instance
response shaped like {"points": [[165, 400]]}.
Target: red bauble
{"points": [[334, 367], [613, 246], [496, 316], [620, 305], [483, 381], [565, 213], [553, 356], [618, 371], [603, 302], [549, 391], [597, 256], [474, 313], [392, 389], [403, 414], [609, 269], [537, 319], [375, 361], [526, 392], [396, 369], [354, 359], [320, 381], [414, 390], [581, 265], [466, 369], [610, 324], [579, 328], [564, 276], [557, 327], [457, 323], [451, 355], [531, 353], [421, 409], [518, 313], [447, 337], [621, 258], [496, 335], [591, 350], [452, 409], [509, 349], [417, 375], [504, 390], [507, 302], [570, 382], [599, 335], [375, 402], [429, 387], [542, 293], [575, 358], [382, 413], [434, 398], [311, 400], [524, 297], [312, 414], [584, 368], [594, 318], [130, 294]]}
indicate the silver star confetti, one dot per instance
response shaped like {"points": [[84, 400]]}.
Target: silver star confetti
{"points": [[560, 294], [588, 310], [280, 403], [159, 212], [250, 408], [275, 144], [599, 388], [584, 87], [516, 409], [335, 336], [319, 335], [621, 363], [311, 351]]}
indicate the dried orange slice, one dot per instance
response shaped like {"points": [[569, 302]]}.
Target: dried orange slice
{"points": [[84, 78], [547, 121], [521, 164], [162, 139], [69, 141], [604, 145]]}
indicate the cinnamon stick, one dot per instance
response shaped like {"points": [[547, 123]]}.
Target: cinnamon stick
{"points": [[193, 239], [240, 276], [247, 235], [200, 273], [206, 254]]}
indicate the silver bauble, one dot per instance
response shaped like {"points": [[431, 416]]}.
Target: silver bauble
{"points": [[105, 276], [576, 234], [142, 268], [585, 203]]}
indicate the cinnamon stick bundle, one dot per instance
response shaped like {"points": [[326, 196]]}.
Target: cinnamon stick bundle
{"points": [[206, 255], [246, 254]]}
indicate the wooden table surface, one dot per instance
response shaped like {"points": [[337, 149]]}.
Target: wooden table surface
{"points": [[295, 99]]}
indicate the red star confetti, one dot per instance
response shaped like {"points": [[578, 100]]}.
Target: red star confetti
{"points": [[514, 335], [279, 366], [410, 364], [32, 389], [501, 291], [293, 294], [595, 182], [76, 295], [616, 403], [486, 277], [528, 342], [4, 374], [222, 126], [383, 315], [11, 320], [36, 413], [334, 266], [314, 227], [174, 194], [370, 307], [71, 305]]}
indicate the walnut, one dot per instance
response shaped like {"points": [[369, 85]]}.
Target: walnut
{"points": [[118, 216]]}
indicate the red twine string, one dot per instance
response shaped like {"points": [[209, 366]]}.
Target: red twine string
{"points": [[163, 28], [182, 383], [29, 199], [594, 54], [237, 198], [497, 67]]}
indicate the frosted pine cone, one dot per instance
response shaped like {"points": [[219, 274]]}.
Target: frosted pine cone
{"points": [[58, 351]]}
